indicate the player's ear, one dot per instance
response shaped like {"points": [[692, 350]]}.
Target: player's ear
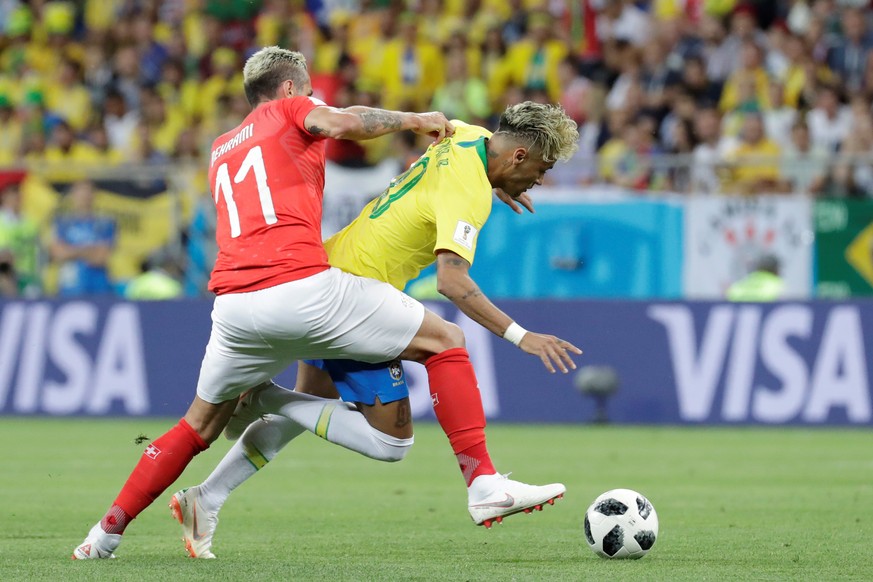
{"points": [[519, 155], [288, 88]]}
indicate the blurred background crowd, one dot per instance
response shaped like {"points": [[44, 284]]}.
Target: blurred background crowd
{"points": [[682, 96]]}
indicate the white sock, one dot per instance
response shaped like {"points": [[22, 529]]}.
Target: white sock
{"points": [[261, 441], [334, 421]]}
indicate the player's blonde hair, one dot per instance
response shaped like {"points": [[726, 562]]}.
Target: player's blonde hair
{"points": [[546, 128], [265, 70]]}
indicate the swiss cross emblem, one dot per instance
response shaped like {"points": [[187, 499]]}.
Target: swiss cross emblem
{"points": [[152, 452]]}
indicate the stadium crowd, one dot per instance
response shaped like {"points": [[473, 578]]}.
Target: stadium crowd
{"points": [[689, 96]]}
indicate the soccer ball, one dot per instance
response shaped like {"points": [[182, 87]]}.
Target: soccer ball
{"points": [[621, 524]]}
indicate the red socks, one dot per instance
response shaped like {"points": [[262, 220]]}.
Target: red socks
{"points": [[457, 404], [161, 464]]}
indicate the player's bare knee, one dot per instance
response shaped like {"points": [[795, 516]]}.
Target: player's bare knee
{"points": [[454, 337]]}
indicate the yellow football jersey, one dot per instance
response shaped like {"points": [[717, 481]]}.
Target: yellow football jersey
{"points": [[441, 202]]}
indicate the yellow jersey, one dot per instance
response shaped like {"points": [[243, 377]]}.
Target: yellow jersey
{"points": [[441, 202]]}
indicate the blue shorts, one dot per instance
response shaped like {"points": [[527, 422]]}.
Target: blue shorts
{"points": [[362, 382]]}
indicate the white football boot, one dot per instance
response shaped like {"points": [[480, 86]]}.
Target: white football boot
{"points": [[198, 525], [98, 545], [493, 497]]}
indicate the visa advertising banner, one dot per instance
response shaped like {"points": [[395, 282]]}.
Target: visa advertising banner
{"points": [[799, 363]]}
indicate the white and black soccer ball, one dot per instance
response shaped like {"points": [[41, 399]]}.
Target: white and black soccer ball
{"points": [[621, 524]]}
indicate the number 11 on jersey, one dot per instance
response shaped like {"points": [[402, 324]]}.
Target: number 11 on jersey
{"points": [[254, 161]]}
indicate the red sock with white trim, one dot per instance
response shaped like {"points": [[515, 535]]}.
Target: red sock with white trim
{"points": [[457, 404], [161, 463]]}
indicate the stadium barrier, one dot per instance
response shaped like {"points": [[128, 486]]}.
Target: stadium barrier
{"points": [[799, 363]]}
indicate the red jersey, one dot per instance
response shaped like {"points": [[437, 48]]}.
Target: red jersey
{"points": [[267, 180]]}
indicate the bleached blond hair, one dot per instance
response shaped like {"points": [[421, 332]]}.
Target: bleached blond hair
{"points": [[265, 70], [545, 128]]}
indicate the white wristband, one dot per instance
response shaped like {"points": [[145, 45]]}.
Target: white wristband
{"points": [[514, 333]]}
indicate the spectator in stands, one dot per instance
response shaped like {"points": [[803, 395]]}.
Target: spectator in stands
{"points": [[743, 30], [779, 117], [96, 70], [152, 54], [804, 165], [858, 145], [11, 131], [581, 169], [462, 96], [410, 69], [697, 84], [226, 78], [67, 96], [81, 244], [628, 162], [515, 25], [793, 78], [716, 51], [709, 155], [622, 20], [178, 92], [657, 80], [533, 61], [683, 146], [620, 96], [19, 244], [749, 71], [776, 61], [120, 122], [165, 124], [848, 56], [817, 39], [755, 161], [679, 36], [126, 78], [493, 68], [683, 110], [830, 121], [574, 89], [102, 151]]}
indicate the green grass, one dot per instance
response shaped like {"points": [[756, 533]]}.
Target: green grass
{"points": [[734, 504]]}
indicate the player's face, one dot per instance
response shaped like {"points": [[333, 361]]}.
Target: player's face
{"points": [[527, 171]]}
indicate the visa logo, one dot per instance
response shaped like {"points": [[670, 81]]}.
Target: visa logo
{"points": [[770, 363]]}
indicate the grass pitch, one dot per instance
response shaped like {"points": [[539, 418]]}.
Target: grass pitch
{"points": [[734, 504]]}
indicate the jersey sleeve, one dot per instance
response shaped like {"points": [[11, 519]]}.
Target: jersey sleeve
{"points": [[297, 108], [461, 207]]}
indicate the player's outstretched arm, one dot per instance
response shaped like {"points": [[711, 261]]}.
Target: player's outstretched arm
{"points": [[360, 123], [455, 283]]}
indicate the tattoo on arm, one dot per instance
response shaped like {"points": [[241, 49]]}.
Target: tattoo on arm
{"points": [[472, 293], [456, 262], [375, 120], [404, 414], [315, 130]]}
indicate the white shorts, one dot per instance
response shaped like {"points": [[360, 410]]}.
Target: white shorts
{"points": [[331, 315]]}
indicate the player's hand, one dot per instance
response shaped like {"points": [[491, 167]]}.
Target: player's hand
{"points": [[435, 125], [513, 203], [553, 351]]}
